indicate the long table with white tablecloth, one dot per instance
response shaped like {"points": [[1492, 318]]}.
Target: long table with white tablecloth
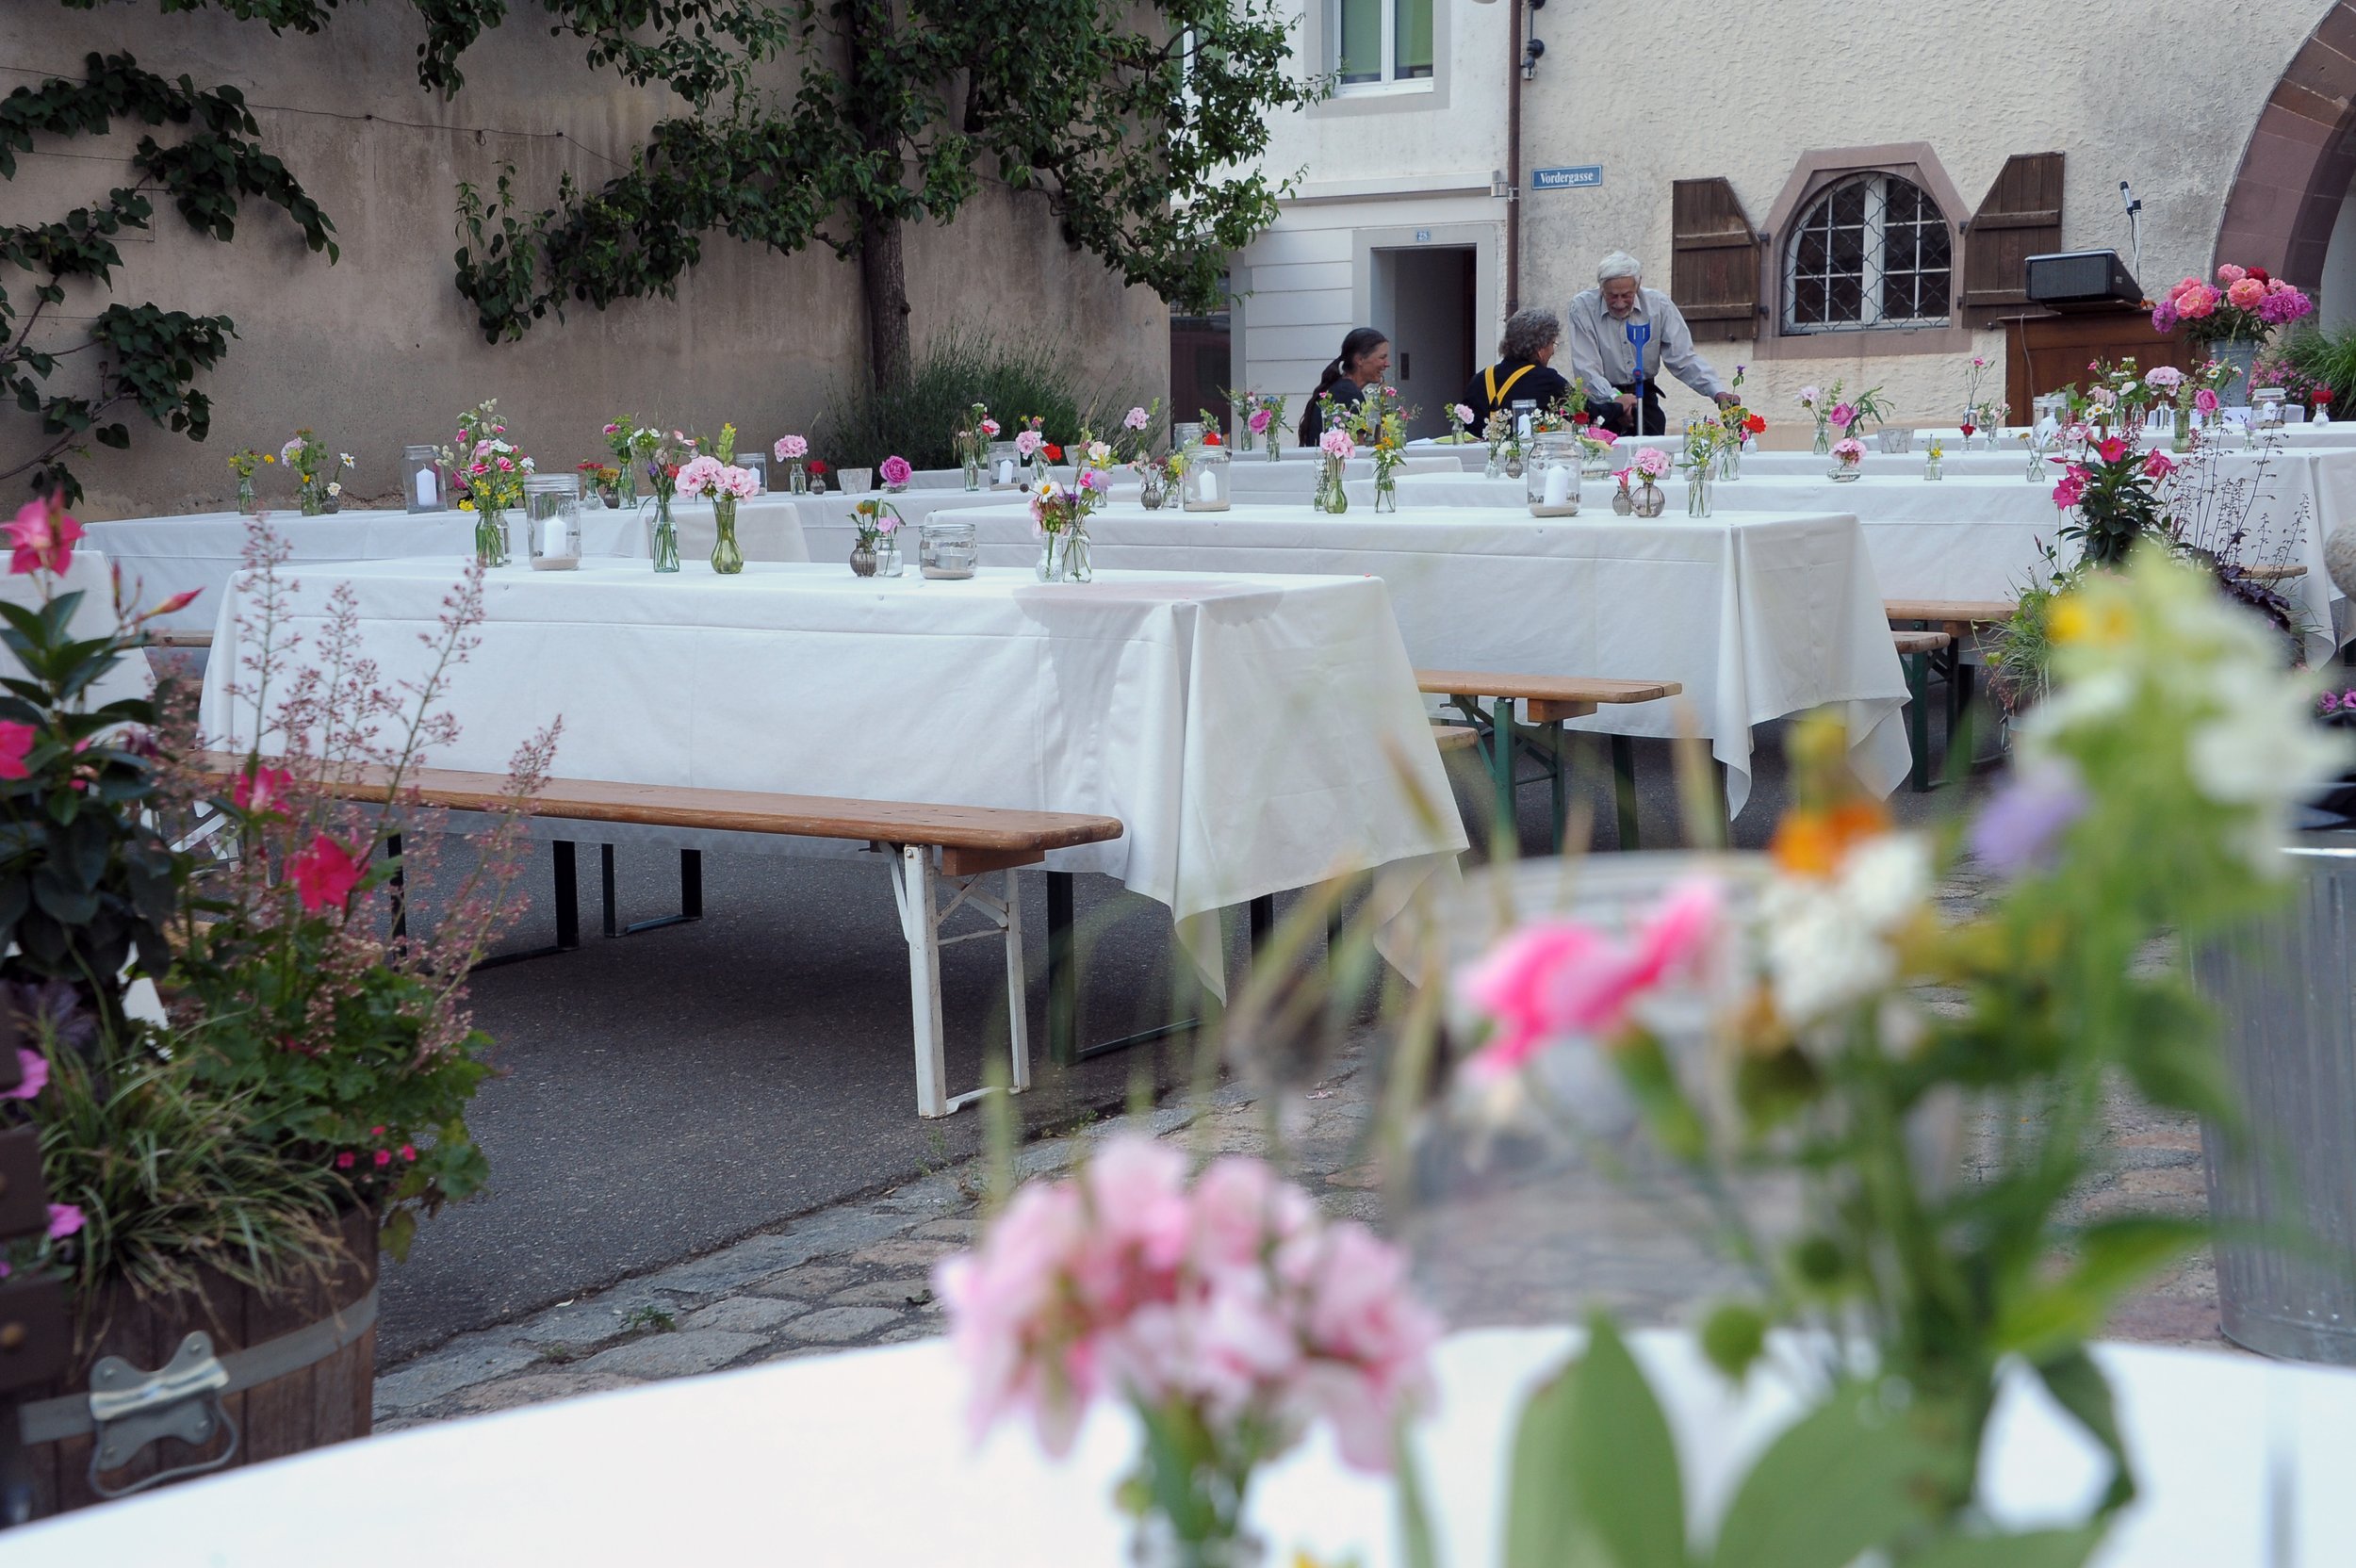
{"points": [[1980, 537], [1760, 617], [1254, 733]]}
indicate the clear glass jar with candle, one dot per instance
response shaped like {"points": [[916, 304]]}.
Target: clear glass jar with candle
{"points": [[1005, 466], [2266, 411], [544, 496], [556, 545], [758, 463], [421, 478], [1185, 435], [1204, 488], [947, 552], [1550, 476]]}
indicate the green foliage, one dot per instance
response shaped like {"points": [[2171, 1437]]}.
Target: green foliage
{"points": [[1594, 1471], [87, 880], [2327, 358], [150, 356], [172, 1183], [920, 418]]}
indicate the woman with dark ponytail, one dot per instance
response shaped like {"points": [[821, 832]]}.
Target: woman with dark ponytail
{"points": [[1365, 355]]}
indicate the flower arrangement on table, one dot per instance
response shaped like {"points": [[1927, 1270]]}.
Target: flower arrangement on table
{"points": [[716, 476], [876, 523], [1267, 421], [1377, 425], [1505, 443], [319, 484], [1768, 1018], [895, 471], [1226, 1313], [1059, 515], [603, 480], [794, 452], [621, 437], [2242, 306], [660, 458], [1135, 429], [1334, 450], [974, 433], [488, 472], [243, 464], [1831, 411], [1639, 482], [1848, 455]]}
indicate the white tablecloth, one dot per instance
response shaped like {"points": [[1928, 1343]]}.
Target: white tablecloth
{"points": [[169, 555], [1246, 731], [1970, 536], [1758, 616], [861, 1461]]}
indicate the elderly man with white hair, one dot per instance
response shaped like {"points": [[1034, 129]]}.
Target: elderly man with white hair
{"points": [[1624, 336]]}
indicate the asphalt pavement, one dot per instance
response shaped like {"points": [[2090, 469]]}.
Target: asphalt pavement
{"points": [[667, 1093]]}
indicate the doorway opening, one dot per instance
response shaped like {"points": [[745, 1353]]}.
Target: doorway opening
{"points": [[1423, 297]]}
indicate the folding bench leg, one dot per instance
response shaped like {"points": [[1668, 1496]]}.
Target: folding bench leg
{"points": [[912, 881], [1018, 995], [691, 894], [1918, 720], [1508, 826], [1624, 790]]}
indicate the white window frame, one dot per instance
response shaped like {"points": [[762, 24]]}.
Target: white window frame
{"points": [[1874, 268], [1391, 82]]}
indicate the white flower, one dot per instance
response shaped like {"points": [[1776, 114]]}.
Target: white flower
{"points": [[345, 458], [1827, 941], [334, 488]]}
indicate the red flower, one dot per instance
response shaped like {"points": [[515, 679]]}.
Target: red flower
{"points": [[816, 466], [1754, 424], [2320, 394], [174, 605], [16, 740], [2113, 450], [343, 1161], [2257, 273], [408, 1151], [383, 1157], [325, 874], [44, 537], [1055, 454], [1968, 428], [1210, 438], [261, 790]]}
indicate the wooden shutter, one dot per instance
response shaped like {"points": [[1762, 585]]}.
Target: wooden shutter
{"points": [[2021, 217], [1713, 267]]}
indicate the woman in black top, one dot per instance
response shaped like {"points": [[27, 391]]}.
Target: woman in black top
{"points": [[1365, 355], [1521, 373]]}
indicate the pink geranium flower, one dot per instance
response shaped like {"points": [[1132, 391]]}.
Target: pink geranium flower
{"points": [[325, 874], [43, 538], [1028, 442], [1554, 980], [1652, 462], [700, 475], [790, 449], [1137, 418], [1336, 443]]}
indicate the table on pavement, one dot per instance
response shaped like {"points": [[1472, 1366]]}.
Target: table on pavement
{"points": [[1759, 615], [864, 1458], [1254, 733]]}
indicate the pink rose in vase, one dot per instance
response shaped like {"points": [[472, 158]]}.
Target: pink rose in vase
{"points": [[895, 471]]}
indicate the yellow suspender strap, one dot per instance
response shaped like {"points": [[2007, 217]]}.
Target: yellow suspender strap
{"points": [[1496, 393]]}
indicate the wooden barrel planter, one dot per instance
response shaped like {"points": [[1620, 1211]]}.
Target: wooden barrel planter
{"points": [[275, 1408]]}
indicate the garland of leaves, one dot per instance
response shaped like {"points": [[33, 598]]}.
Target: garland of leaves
{"points": [[150, 356]]}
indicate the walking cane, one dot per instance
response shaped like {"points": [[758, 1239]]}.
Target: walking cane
{"points": [[1639, 334]]}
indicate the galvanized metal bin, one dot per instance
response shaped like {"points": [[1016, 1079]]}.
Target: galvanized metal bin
{"points": [[2286, 997]]}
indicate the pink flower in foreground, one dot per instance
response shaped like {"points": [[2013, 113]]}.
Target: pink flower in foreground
{"points": [[2245, 293], [2071, 488], [1552, 980], [1137, 418], [2157, 465], [2113, 449], [16, 743], [2205, 401], [895, 470], [325, 874], [700, 475], [262, 790], [32, 1075], [1652, 462], [1849, 451], [2198, 301], [64, 1219], [1336, 443], [1260, 420], [43, 538], [1027, 442]]}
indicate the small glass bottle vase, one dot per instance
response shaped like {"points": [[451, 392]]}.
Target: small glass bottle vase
{"points": [[1824, 439], [1385, 491], [245, 495], [1064, 558], [726, 558], [490, 536], [1697, 490], [662, 543], [1330, 496]]}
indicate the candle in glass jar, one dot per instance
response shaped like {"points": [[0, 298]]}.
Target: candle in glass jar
{"points": [[1006, 470], [1210, 485], [1558, 485], [427, 491]]}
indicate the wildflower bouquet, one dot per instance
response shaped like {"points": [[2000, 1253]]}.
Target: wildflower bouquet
{"points": [[1500, 434], [2243, 305], [488, 472], [621, 436], [1765, 1017], [974, 433], [1224, 1312], [317, 472]]}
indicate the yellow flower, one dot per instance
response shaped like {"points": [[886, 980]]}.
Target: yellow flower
{"points": [[2076, 621], [269, 457], [466, 506]]}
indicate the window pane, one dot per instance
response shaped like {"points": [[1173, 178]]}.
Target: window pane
{"points": [[1358, 40], [1807, 302], [1411, 52]]}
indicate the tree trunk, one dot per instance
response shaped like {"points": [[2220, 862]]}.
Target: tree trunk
{"points": [[884, 283]]}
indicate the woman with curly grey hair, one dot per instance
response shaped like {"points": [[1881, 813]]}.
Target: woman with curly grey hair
{"points": [[1521, 373]]}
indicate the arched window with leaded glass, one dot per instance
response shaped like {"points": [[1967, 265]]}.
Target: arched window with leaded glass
{"points": [[1868, 251]]}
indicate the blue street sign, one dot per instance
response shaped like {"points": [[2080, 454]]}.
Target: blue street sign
{"points": [[1578, 176]]}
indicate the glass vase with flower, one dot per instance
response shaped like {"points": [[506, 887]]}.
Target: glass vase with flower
{"points": [[1059, 515], [621, 436], [663, 456], [242, 465], [876, 552], [794, 452], [1335, 450], [488, 472], [973, 437]]}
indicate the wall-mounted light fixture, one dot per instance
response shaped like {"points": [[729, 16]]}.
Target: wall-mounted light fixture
{"points": [[1535, 49], [1499, 187]]}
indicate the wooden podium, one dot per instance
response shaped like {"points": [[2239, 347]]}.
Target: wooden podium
{"points": [[2047, 351]]}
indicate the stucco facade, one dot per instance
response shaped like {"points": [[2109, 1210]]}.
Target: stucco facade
{"points": [[379, 350], [2164, 94]]}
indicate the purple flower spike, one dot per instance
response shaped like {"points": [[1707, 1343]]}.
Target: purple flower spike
{"points": [[2022, 828]]}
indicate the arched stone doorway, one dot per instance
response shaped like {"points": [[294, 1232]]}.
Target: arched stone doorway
{"points": [[2294, 174]]}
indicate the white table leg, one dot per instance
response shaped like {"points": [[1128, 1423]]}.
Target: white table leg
{"points": [[1018, 1011], [912, 882]]}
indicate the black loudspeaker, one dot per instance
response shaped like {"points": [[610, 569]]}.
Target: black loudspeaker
{"points": [[2081, 278]]}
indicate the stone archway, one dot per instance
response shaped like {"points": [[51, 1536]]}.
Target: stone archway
{"points": [[2301, 160]]}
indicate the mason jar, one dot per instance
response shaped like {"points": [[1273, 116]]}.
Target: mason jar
{"points": [[556, 545], [421, 478], [1204, 487], [1550, 475], [948, 550], [542, 513], [1005, 466]]}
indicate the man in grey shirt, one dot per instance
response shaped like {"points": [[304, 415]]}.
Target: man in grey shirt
{"points": [[1604, 325]]}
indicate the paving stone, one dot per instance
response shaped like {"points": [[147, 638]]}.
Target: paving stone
{"points": [[1364, 1176], [673, 1355], [961, 1230], [839, 1325], [535, 1388], [902, 1254], [590, 1324], [744, 1314], [810, 1279], [435, 1376], [884, 1293]]}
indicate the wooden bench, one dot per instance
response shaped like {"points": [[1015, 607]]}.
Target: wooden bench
{"points": [[1915, 651], [1961, 620], [1548, 701], [968, 843]]}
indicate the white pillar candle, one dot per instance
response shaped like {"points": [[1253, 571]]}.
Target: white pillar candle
{"points": [[1558, 485], [1210, 485], [1006, 470], [428, 492]]}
